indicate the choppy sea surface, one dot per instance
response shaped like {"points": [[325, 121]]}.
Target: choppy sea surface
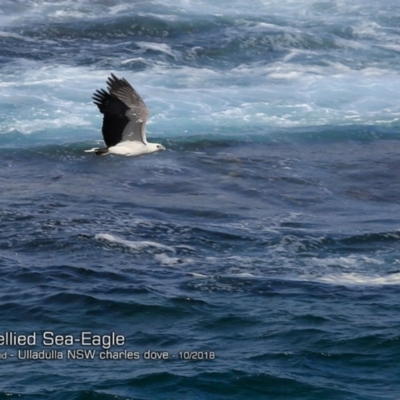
{"points": [[258, 257]]}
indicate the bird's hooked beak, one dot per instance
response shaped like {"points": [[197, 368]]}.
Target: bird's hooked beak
{"points": [[161, 147]]}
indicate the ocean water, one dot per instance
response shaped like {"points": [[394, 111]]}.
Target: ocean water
{"points": [[257, 258]]}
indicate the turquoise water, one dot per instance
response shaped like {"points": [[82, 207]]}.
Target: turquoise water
{"points": [[258, 257]]}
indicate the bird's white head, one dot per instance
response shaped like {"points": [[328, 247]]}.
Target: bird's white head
{"points": [[154, 147]]}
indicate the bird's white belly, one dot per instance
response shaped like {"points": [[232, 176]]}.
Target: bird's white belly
{"points": [[129, 149]]}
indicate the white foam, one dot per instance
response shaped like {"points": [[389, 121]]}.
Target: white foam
{"points": [[165, 259], [197, 275], [161, 47], [119, 8], [67, 14], [350, 270], [16, 36], [29, 126], [243, 275], [134, 245], [134, 60], [345, 262], [354, 278], [47, 98]]}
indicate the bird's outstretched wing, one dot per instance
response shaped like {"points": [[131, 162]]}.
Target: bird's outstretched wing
{"points": [[125, 113]]}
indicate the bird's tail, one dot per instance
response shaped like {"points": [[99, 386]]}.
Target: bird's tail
{"points": [[99, 152]]}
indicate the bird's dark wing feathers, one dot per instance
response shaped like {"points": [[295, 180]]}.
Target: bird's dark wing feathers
{"points": [[115, 120], [125, 113]]}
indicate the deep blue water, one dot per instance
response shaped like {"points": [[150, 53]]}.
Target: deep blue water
{"points": [[266, 238]]}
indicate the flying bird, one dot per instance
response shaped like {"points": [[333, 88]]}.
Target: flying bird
{"points": [[124, 122]]}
